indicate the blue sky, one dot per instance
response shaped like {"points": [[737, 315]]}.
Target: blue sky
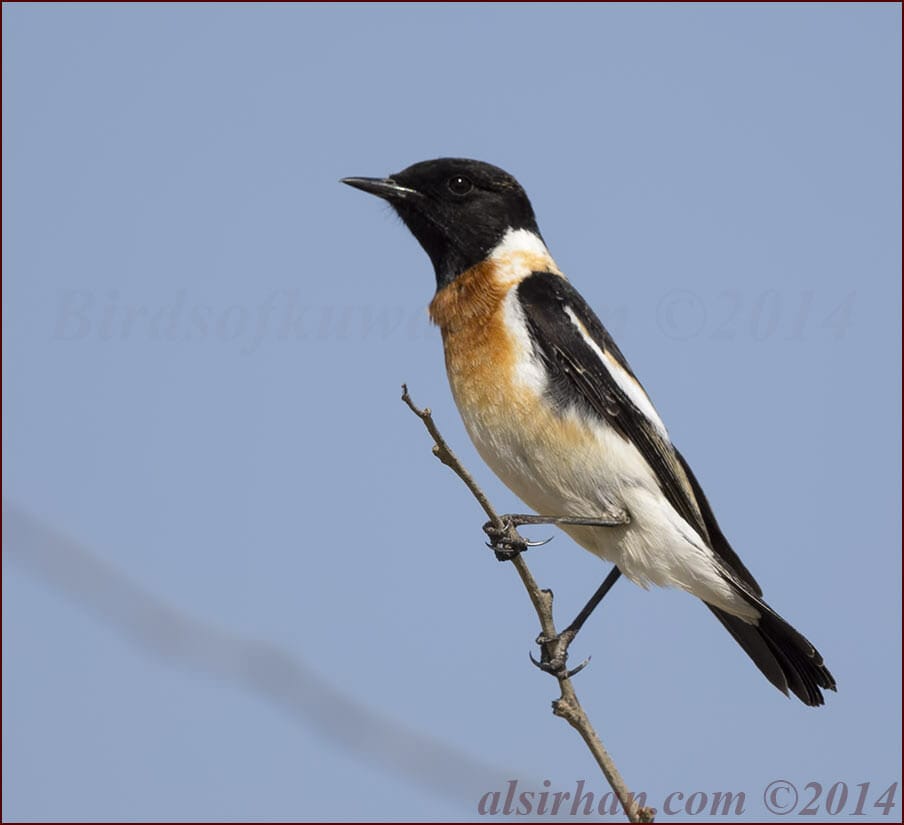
{"points": [[236, 584]]}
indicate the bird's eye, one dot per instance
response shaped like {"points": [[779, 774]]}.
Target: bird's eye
{"points": [[459, 185]]}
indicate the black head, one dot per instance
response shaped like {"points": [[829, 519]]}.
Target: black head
{"points": [[458, 209]]}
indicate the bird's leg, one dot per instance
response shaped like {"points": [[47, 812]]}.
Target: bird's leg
{"points": [[507, 543], [554, 651]]}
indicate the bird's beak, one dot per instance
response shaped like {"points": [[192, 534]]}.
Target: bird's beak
{"points": [[385, 188]]}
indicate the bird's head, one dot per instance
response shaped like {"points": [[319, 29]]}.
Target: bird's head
{"points": [[458, 209]]}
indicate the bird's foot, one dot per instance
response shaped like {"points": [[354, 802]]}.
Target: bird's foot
{"points": [[505, 541], [554, 655]]}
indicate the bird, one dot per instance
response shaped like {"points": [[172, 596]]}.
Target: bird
{"points": [[554, 409]]}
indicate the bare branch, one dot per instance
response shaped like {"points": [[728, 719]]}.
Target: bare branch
{"points": [[567, 705]]}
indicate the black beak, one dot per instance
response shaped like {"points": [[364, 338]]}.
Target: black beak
{"points": [[385, 188]]}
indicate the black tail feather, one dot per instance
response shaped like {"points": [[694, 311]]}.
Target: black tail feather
{"points": [[784, 656]]}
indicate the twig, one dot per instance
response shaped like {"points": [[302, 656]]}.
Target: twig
{"points": [[567, 705]]}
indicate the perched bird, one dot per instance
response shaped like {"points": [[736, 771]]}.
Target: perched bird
{"points": [[554, 409]]}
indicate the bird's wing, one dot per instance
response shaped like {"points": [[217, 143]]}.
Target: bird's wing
{"points": [[717, 540], [587, 370]]}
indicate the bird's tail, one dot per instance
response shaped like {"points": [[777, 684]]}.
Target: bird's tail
{"points": [[785, 657]]}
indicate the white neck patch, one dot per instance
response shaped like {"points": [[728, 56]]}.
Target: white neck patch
{"points": [[519, 253], [519, 241]]}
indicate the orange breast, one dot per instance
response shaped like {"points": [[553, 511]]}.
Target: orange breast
{"points": [[483, 351], [499, 386], [479, 350], [489, 359]]}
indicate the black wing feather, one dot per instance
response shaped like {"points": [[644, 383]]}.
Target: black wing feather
{"points": [[578, 377], [717, 540]]}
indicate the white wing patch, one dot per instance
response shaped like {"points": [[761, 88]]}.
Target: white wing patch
{"points": [[529, 371], [625, 380]]}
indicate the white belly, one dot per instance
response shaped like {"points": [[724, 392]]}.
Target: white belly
{"points": [[567, 464]]}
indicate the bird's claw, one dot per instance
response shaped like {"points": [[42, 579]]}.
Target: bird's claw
{"points": [[506, 542], [554, 655]]}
